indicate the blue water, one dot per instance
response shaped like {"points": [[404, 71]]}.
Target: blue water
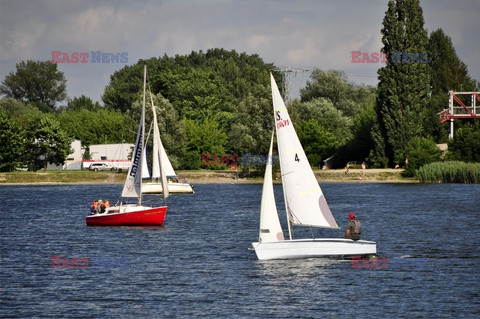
{"points": [[199, 266]]}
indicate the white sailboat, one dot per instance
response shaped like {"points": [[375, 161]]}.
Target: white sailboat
{"points": [[160, 156], [133, 214], [305, 203]]}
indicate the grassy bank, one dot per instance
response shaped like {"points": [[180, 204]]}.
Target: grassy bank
{"points": [[450, 172], [195, 177], [59, 177]]}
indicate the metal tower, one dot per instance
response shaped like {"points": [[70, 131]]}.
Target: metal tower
{"points": [[462, 111], [287, 74]]}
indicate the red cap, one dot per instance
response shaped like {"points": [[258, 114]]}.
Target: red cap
{"points": [[351, 216]]}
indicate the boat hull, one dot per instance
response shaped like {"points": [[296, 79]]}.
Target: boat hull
{"points": [[308, 248], [133, 215], [156, 188]]}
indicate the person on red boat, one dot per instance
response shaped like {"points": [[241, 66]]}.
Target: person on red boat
{"points": [[93, 208], [354, 228]]}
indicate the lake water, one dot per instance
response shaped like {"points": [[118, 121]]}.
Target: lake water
{"points": [[199, 264]]}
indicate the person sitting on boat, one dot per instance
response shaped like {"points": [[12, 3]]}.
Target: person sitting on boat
{"points": [[354, 228], [93, 208], [103, 207], [99, 206]]}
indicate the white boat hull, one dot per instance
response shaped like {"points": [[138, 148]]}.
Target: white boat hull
{"points": [[305, 248], [154, 188]]}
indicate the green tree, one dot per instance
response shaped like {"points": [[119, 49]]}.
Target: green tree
{"points": [[465, 145], [448, 72], [46, 143], [172, 129], [123, 88], [94, 127], [36, 81], [420, 151], [325, 114], [358, 148], [404, 83], [11, 141], [333, 85], [204, 137], [82, 102], [317, 142], [252, 127]]}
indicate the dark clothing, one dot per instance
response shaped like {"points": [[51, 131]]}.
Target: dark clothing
{"points": [[355, 228]]}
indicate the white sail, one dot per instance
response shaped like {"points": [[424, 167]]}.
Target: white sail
{"points": [[158, 161], [132, 186], [169, 171], [270, 228], [145, 171], [159, 149], [305, 202]]}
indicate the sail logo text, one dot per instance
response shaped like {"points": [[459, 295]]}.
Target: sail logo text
{"points": [[283, 123], [89, 262], [138, 155], [83, 57], [391, 263]]}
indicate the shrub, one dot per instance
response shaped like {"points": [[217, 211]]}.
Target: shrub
{"points": [[449, 172], [420, 151]]}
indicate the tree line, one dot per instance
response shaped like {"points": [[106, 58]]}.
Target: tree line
{"points": [[219, 102]]}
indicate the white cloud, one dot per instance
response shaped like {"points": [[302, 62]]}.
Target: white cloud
{"points": [[301, 34]]}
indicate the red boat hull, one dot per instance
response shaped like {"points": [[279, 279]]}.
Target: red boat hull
{"points": [[152, 216]]}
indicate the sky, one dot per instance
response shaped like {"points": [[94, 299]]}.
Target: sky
{"points": [[296, 34]]}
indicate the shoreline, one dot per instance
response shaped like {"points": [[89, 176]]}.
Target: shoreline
{"points": [[198, 177]]}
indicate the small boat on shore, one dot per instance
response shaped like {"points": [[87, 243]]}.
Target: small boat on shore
{"points": [[133, 214]]}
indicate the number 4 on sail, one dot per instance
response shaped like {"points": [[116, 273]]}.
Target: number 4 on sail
{"points": [[305, 203]]}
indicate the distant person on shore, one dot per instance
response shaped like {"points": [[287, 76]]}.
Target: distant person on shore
{"points": [[354, 228]]}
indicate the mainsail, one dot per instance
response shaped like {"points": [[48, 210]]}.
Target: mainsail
{"points": [[304, 200], [158, 161], [132, 186], [270, 228], [159, 149]]}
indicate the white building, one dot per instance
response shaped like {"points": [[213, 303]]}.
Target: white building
{"points": [[115, 155]]}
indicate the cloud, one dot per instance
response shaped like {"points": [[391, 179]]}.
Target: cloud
{"points": [[300, 34]]}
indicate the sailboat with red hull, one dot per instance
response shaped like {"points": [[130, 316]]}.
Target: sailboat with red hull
{"points": [[134, 214]]}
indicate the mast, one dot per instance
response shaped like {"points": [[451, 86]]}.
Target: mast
{"points": [[143, 130], [286, 203]]}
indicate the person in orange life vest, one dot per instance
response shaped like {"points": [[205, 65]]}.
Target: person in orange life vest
{"points": [[93, 208], [354, 228]]}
